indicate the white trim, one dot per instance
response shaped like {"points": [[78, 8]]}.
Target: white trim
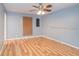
{"points": [[61, 42], [5, 25], [25, 37]]}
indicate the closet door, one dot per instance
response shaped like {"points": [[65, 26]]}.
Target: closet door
{"points": [[27, 26]]}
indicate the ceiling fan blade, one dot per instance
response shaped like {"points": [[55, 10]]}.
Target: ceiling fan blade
{"points": [[40, 3], [48, 10], [48, 6], [35, 6]]}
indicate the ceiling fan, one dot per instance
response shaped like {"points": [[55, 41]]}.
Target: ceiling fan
{"points": [[42, 8]]}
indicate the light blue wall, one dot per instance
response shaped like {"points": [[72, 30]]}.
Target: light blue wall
{"points": [[15, 24], [2, 11], [63, 25], [1, 21]]}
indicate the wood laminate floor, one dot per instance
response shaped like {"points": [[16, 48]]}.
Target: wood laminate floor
{"points": [[37, 47]]}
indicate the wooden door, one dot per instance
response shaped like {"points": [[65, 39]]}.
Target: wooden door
{"points": [[27, 26]]}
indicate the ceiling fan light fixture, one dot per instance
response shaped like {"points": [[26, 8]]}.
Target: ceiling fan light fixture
{"points": [[43, 12], [40, 12]]}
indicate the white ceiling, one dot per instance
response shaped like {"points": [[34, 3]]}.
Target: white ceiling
{"points": [[25, 7]]}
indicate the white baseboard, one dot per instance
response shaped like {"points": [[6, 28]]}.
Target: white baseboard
{"points": [[25, 37], [61, 42]]}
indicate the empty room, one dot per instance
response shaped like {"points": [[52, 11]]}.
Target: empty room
{"points": [[39, 29]]}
